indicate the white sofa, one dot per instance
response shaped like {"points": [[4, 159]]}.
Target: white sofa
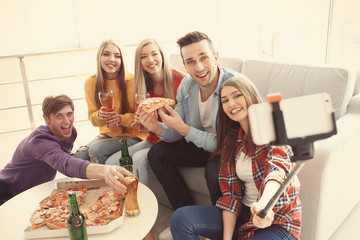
{"points": [[330, 181]]}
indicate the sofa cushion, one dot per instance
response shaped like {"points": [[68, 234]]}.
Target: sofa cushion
{"points": [[271, 77], [195, 178], [232, 63]]}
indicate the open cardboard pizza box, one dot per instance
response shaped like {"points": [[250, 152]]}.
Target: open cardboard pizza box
{"points": [[95, 188]]}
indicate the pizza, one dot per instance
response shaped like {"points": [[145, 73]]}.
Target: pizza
{"points": [[60, 198], [92, 218], [109, 196], [107, 207], [54, 209], [38, 218], [151, 104], [57, 217]]}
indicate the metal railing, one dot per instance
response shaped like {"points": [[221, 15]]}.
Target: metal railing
{"points": [[25, 82]]}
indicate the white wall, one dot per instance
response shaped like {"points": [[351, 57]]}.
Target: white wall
{"points": [[37, 25], [293, 30], [285, 30], [345, 34], [42, 25]]}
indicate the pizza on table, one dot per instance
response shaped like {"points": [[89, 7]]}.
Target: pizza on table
{"points": [[54, 209]]}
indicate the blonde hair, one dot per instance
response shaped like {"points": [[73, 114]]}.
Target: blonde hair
{"points": [[121, 77], [143, 81]]}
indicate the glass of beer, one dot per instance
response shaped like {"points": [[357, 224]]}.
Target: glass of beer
{"points": [[107, 100], [131, 203], [138, 99]]}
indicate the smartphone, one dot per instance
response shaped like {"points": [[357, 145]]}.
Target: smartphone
{"points": [[303, 116]]}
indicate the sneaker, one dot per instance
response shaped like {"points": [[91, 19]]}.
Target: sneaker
{"points": [[166, 234]]}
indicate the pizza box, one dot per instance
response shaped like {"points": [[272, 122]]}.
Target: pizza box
{"points": [[95, 188]]}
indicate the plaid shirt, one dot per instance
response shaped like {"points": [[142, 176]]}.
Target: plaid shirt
{"points": [[269, 163]]}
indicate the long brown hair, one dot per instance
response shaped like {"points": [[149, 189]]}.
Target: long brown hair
{"points": [[227, 129], [121, 77]]}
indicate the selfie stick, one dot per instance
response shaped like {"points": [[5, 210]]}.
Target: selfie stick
{"points": [[303, 148]]}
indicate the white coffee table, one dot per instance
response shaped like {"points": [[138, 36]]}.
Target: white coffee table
{"points": [[15, 214]]}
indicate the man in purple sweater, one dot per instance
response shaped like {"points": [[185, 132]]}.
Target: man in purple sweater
{"points": [[48, 149]]}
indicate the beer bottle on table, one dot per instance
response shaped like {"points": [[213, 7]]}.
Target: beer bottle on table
{"points": [[125, 159], [76, 220]]}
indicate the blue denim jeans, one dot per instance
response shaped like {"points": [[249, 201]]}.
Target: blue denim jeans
{"points": [[138, 152], [190, 222], [102, 147]]}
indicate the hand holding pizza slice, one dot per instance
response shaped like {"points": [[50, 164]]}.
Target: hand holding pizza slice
{"points": [[147, 115], [151, 104]]}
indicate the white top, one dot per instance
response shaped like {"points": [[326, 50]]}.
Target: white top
{"points": [[205, 113], [244, 173]]}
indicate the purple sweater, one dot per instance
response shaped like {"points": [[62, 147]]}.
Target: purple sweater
{"points": [[38, 157]]}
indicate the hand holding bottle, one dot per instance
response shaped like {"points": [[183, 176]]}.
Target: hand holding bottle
{"points": [[114, 177]]}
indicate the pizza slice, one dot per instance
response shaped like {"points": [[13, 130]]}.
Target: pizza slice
{"points": [[112, 211], [60, 198], [58, 222], [151, 104], [109, 196], [80, 194], [80, 191], [94, 218], [57, 218], [52, 200], [38, 218]]}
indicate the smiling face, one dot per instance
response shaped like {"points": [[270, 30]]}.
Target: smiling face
{"points": [[61, 122], [234, 104], [110, 61], [151, 59], [201, 63]]}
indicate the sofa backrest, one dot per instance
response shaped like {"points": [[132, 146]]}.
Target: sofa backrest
{"points": [[232, 63], [357, 84], [299, 80]]}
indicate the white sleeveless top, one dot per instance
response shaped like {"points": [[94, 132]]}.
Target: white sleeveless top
{"points": [[205, 113], [244, 173]]}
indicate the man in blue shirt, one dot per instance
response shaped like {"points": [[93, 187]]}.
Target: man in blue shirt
{"points": [[189, 130]]}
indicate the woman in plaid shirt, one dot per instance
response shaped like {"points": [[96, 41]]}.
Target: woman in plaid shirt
{"points": [[249, 176]]}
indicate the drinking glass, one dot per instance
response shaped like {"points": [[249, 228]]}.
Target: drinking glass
{"points": [[131, 203], [107, 100], [138, 99]]}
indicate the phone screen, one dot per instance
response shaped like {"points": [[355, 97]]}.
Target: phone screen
{"points": [[303, 116]]}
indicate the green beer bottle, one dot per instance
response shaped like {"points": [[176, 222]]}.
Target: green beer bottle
{"points": [[76, 220], [125, 159]]}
